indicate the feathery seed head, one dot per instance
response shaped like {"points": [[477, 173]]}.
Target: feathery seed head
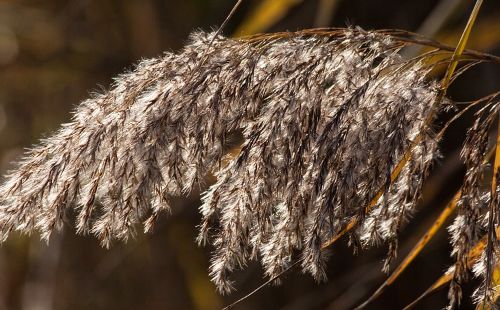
{"points": [[325, 120]]}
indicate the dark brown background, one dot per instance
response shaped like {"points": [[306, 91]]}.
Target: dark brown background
{"points": [[54, 53]]}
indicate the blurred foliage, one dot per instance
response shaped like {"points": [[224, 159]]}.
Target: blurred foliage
{"points": [[54, 52], [265, 15]]}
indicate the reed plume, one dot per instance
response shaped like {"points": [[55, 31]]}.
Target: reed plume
{"points": [[325, 118]]}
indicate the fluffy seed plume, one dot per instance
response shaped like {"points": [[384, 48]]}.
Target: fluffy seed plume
{"points": [[478, 213], [325, 119]]}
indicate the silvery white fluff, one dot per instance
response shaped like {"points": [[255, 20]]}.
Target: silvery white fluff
{"points": [[325, 118], [478, 216]]}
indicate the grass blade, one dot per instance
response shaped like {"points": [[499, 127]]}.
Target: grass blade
{"points": [[473, 256], [460, 46]]}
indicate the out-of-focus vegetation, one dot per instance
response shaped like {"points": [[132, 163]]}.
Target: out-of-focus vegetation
{"points": [[53, 53]]}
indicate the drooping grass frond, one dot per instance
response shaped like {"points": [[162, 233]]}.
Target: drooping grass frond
{"points": [[478, 209]]}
